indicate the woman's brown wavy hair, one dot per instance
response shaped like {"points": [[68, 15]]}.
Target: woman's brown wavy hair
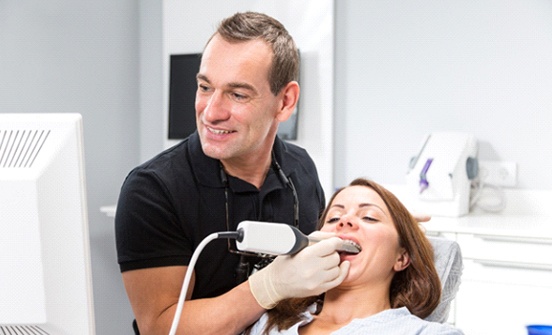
{"points": [[417, 287]]}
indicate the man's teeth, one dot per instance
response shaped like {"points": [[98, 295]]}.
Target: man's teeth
{"points": [[219, 132]]}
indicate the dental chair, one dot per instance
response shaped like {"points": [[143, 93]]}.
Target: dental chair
{"points": [[448, 262]]}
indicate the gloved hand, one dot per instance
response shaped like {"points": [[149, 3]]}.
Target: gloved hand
{"points": [[310, 272]]}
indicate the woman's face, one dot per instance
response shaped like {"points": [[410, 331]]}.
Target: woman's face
{"points": [[359, 214]]}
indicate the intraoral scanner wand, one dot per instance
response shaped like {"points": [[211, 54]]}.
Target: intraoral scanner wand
{"points": [[255, 236], [347, 246], [279, 239]]}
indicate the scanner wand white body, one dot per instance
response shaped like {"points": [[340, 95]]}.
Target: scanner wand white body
{"points": [[278, 239]]}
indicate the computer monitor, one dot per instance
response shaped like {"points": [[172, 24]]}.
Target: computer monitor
{"points": [[182, 92], [45, 270]]}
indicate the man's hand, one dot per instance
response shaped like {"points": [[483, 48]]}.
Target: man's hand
{"points": [[310, 272]]}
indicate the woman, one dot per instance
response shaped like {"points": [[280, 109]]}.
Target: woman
{"points": [[392, 283]]}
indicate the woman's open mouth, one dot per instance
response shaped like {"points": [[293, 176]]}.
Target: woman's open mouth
{"points": [[349, 247]]}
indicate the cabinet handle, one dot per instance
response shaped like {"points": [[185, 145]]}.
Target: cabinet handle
{"points": [[532, 240], [507, 264]]}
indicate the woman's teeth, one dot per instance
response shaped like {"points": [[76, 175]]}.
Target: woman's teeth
{"points": [[349, 247]]}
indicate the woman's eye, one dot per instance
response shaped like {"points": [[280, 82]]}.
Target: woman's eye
{"points": [[369, 219], [332, 220]]}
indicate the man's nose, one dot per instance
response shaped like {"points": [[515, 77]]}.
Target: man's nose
{"points": [[216, 108]]}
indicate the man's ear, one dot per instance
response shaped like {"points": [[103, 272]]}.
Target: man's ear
{"points": [[290, 98], [403, 261]]}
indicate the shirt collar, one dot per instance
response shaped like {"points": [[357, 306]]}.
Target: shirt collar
{"points": [[208, 170]]}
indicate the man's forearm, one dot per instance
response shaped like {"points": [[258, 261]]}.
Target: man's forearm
{"points": [[228, 314]]}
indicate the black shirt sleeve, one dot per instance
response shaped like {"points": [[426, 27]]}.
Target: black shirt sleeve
{"points": [[147, 229]]}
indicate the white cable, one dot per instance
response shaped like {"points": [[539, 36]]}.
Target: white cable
{"points": [[187, 279], [477, 199], [251, 236]]}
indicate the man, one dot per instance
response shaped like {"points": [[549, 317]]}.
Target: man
{"points": [[233, 168]]}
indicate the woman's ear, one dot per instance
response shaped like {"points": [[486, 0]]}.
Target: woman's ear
{"points": [[290, 98], [403, 261]]}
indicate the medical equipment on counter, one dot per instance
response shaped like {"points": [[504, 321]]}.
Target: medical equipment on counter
{"points": [[255, 236], [439, 176]]}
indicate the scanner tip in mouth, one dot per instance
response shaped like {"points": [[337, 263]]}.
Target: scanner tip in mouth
{"points": [[349, 247]]}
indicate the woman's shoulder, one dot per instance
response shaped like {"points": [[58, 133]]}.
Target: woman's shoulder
{"points": [[397, 321], [424, 327]]}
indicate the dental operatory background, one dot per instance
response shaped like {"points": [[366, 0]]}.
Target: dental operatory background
{"points": [[376, 78]]}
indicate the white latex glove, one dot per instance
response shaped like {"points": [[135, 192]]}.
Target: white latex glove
{"points": [[312, 271]]}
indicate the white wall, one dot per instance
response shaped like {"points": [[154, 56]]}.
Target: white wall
{"points": [[401, 70], [151, 80], [82, 56], [408, 68], [188, 25]]}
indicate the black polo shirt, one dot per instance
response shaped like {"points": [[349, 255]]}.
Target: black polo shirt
{"points": [[169, 204]]}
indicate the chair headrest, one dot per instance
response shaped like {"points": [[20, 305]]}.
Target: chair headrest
{"points": [[448, 263]]}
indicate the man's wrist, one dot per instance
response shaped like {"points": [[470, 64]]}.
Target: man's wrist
{"points": [[262, 289]]}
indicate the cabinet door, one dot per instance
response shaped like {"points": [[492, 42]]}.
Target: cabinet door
{"points": [[499, 298]]}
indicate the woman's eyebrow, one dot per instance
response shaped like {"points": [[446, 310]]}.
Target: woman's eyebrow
{"points": [[368, 204], [362, 205]]}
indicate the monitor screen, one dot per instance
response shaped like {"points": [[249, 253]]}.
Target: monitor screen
{"points": [[45, 281], [182, 92]]}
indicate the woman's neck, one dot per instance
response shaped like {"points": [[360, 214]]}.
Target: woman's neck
{"points": [[341, 306]]}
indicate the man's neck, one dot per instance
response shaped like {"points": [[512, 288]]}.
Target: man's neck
{"points": [[253, 171]]}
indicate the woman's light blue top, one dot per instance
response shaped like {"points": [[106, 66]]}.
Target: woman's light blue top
{"points": [[389, 322]]}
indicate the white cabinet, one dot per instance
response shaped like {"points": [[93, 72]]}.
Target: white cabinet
{"points": [[506, 284], [507, 279]]}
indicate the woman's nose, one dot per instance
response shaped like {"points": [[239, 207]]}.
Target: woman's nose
{"points": [[347, 222]]}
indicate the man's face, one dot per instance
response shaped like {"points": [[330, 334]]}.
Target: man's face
{"points": [[235, 109]]}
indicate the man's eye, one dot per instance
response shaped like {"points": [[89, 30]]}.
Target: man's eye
{"points": [[203, 88], [239, 97]]}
